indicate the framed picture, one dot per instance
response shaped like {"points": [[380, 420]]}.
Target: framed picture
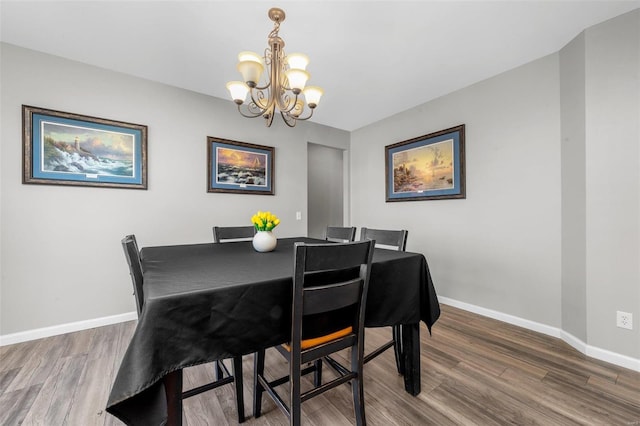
{"points": [[239, 167], [429, 167], [61, 148]]}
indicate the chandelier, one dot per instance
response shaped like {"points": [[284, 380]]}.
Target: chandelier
{"points": [[281, 88]]}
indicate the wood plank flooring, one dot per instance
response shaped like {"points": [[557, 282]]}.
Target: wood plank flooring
{"points": [[475, 371]]}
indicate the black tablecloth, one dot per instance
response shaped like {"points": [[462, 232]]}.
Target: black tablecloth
{"points": [[212, 301]]}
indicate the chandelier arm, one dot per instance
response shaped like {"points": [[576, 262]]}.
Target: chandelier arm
{"points": [[285, 87], [255, 101], [266, 86], [279, 94], [267, 61], [249, 114], [307, 117], [280, 101], [269, 117], [289, 106], [288, 119]]}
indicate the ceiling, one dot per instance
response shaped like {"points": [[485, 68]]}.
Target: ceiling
{"points": [[373, 58]]}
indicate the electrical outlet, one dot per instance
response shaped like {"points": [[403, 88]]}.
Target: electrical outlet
{"points": [[624, 320], [298, 215]]}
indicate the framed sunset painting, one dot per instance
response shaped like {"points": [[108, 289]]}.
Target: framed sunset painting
{"points": [[239, 167], [429, 167], [63, 148]]}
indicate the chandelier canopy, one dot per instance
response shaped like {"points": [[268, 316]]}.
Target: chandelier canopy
{"points": [[283, 85]]}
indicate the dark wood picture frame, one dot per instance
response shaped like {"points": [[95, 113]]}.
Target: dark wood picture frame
{"points": [[429, 167], [239, 167], [63, 148]]}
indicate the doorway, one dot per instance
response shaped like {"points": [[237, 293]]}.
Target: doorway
{"points": [[325, 188]]}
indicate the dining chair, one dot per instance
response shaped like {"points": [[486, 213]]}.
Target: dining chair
{"points": [[340, 234], [330, 286], [396, 240], [132, 254], [236, 233], [222, 373]]}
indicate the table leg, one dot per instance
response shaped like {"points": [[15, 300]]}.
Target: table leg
{"points": [[173, 390], [411, 357], [397, 348]]}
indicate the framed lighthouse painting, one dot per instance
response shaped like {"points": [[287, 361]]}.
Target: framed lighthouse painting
{"points": [[239, 167], [63, 148]]}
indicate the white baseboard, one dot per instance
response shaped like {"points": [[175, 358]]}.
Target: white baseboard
{"points": [[579, 345], [39, 333], [613, 358], [573, 341]]}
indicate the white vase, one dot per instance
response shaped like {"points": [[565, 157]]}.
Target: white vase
{"points": [[264, 241]]}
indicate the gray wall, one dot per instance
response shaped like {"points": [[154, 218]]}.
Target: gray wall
{"points": [[549, 231], [574, 267], [612, 150], [61, 259], [325, 184], [500, 247]]}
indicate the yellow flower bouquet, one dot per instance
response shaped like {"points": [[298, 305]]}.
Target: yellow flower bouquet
{"points": [[265, 221]]}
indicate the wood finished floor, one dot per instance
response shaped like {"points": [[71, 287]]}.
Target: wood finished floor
{"points": [[475, 371]]}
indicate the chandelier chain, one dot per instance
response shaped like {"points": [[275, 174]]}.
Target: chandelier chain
{"points": [[276, 29]]}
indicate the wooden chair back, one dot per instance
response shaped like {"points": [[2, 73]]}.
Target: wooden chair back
{"points": [[340, 234], [385, 237], [236, 233], [330, 279], [132, 254]]}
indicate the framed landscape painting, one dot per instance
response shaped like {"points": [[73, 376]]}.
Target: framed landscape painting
{"points": [[62, 148], [429, 167], [239, 167]]}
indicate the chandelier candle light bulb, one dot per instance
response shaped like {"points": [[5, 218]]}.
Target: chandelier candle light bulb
{"points": [[251, 72], [312, 94], [286, 78], [238, 90], [297, 79], [249, 56], [298, 61]]}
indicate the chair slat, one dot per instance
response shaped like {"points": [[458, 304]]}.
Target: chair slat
{"points": [[321, 257], [331, 297], [393, 238], [221, 233], [340, 234]]}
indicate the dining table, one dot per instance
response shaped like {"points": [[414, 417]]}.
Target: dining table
{"points": [[207, 302]]}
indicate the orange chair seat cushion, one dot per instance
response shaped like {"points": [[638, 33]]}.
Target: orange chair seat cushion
{"points": [[309, 343]]}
